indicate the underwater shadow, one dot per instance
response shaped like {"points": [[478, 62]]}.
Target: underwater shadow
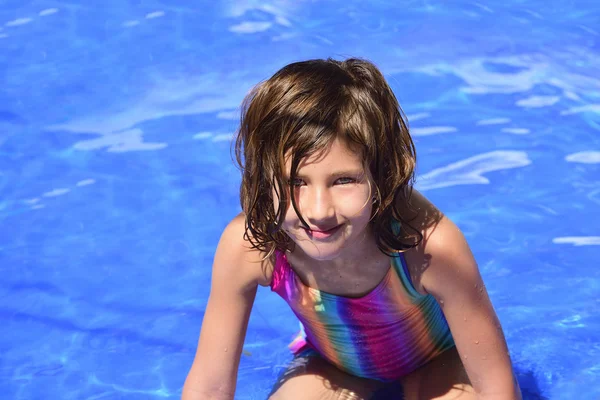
{"points": [[530, 387]]}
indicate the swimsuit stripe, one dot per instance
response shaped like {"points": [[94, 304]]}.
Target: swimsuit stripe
{"points": [[343, 351], [318, 334], [434, 317], [349, 312]]}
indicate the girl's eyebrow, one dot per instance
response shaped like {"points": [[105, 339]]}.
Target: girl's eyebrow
{"points": [[348, 172]]}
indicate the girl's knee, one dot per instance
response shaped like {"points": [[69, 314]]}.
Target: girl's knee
{"points": [[313, 388]]}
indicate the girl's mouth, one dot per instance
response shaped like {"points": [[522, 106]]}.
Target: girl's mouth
{"points": [[316, 234]]}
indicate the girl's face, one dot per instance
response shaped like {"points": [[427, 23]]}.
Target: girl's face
{"points": [[333, 194]]}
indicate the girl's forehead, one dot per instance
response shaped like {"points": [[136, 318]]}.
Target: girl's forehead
{"points": [[337, 152]]}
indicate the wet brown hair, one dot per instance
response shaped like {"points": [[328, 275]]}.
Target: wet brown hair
{"points": [[299, 111]]}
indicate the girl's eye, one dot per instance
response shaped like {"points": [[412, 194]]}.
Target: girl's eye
{"points": [[295, 182], [339, 181], [346, 180]]}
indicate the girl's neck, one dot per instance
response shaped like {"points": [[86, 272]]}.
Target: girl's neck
{"points": [[361, 256], [352, 274]]}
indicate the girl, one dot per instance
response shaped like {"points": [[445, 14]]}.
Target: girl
{"points": [[388, 293]]}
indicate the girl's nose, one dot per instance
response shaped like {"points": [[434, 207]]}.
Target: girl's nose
{"points": [[319, 206]]}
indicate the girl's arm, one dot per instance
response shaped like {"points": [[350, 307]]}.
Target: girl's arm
{"points": [[235, 276], [453, 278]]}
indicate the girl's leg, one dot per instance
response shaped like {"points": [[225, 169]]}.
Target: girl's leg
{"points": [[310, 377], [444, 378]]}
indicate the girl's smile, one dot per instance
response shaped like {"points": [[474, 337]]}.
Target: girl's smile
{"points": [[315, 233]]}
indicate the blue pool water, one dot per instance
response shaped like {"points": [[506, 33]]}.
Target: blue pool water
{"points": [[116, 176]]}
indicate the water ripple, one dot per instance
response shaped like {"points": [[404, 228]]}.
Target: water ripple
{"points": [[585, 157], [18, 21], [108, 331], [493, 121], [432, 130], [516, 131], [190, 96], [578, 240], [130, 140], [595, 108], [48, 11], [250, 27], [471, 170], [538, 101]]}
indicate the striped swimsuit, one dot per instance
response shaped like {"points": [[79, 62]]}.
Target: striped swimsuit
{"points": [[383, 335]]}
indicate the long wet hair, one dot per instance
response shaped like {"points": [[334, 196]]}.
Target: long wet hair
{"points": [[300, 111]]}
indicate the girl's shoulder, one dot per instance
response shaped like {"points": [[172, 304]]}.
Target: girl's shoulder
{"points": [[251, 262], [440, 237], [440, 234]]}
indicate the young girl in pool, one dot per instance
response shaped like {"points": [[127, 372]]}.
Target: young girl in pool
{"points": [[390, 299]]}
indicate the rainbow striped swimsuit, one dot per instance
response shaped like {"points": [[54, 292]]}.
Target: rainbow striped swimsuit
{"points": [[384, 335]]}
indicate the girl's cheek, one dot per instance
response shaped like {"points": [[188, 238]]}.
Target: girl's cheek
{"points": [[354, 200], [355, 209]]}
